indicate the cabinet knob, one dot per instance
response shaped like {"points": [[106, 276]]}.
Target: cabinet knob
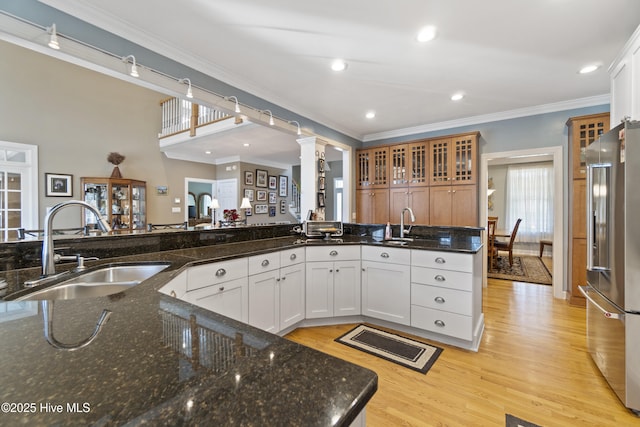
{"points": [[221, 288], [173, 294], [439, 300], [439, 323], [453, 191], [284, 278], [331, 270], [293, 256], [384, 255], [265, 262], [440, 278], [440, 260], [277, 279], [221, 272], [337, 270], [333, 253]]}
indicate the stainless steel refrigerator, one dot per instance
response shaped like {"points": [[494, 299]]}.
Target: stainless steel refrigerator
{"points": [[613, 259]]}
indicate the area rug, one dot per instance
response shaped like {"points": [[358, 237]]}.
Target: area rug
{"points": [[511, 421], [529, 269], [392, 347]]}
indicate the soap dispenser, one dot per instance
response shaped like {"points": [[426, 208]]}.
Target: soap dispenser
{"points": [[387, 232]]}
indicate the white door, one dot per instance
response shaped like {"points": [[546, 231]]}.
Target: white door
{"points": [[18, 188], [228, 195]]}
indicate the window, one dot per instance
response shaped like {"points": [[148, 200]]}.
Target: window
{"points": [[18, 188], [530, 197]]}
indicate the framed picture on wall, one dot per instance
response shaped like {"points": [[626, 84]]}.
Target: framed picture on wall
{"points": [[261, 209], [272, 211], [58, 185], [248, 177], [272, 198], [248, 193], [321, 183], [247, 212], [321, 200], [283, 207], [273, 182], [261, 195], [261, 178], [283, 185], [321, 165]]}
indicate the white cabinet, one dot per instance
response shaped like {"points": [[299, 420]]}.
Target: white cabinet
{"points": [[176, 287], [276, 295], [332, 281], [625, 82], [446, 293], [220, 287], [386, 284]]}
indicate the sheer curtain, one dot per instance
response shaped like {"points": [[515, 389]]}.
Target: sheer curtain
{"points": [[530, 197]]}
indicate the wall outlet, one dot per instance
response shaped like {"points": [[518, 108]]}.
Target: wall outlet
{"points": [[175, 209]]}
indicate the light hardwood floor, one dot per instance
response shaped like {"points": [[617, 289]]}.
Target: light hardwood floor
{"points": [[532, 363]]}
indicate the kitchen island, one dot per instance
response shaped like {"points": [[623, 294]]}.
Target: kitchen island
{"points": [[160, 360]]}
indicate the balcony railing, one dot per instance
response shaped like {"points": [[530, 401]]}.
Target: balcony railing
{"points": [[179, 115]]}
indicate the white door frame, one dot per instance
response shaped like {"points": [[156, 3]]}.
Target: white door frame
{"points": [[559, 256]]}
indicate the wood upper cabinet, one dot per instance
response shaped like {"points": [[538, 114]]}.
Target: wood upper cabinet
{"points": [[372, 168], [454, 205], [409, 164], [416, 198], [453, 160], [372, 206], [583, 130]]}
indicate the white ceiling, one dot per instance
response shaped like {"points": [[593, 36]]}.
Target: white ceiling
{"points": [[504, 55]]}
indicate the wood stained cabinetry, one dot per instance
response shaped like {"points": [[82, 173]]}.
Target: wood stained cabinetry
{"points": [[121, 201], [583, 130], [436, 178]]}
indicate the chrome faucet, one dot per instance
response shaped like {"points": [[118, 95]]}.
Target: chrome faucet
{"points": [[48, 254], [413, 219]]}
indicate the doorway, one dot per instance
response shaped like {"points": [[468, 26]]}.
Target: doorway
{"points": [[555, 154]]}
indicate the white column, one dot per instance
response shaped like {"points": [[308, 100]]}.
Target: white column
{"points": [[347, 179], [310, 151]]}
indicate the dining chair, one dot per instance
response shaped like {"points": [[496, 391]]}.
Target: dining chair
{"points": [[491, 238], [507, 246]]}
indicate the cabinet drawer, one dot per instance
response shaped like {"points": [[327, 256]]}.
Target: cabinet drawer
{"points": [[176, 287], [264, 262], [444, 299], [216, 272], [442, 278], [333, 253], [386, 255], [442, 260], [442, 322], [229, 299], [291, 257]]}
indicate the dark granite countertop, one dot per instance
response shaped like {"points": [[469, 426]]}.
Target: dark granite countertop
{"points": [[159, 360]]}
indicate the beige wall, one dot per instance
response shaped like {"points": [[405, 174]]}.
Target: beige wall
{"points": [[77, 117]]}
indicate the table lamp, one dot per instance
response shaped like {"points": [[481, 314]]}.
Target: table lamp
{"points": [[214, 205], [245, 205]]}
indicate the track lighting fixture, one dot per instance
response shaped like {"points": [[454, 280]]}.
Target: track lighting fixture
{"points": [[189, 92], [299, 132], [53, 39], [271, 122], [134, 67], [229, 98]]}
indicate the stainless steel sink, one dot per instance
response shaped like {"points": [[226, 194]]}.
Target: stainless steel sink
{"points": [[96, 283]]}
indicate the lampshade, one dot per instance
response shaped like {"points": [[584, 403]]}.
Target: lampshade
{"points": [[214, 204], [490, 191], [245, 203]]}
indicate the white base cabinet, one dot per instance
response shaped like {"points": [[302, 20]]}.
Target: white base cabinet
{"points": [[386, 284], [332, 281]]}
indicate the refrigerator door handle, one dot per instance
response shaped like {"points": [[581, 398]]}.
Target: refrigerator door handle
{"points": [[607, 314], [591, 221]]}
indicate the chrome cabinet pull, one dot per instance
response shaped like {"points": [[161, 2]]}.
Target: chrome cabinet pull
{"points": [[337, 270], [333, 253], [292, 257], [439, 323], [440, 260], [221, 272], [265, 263], [221, 288], [440, 278], [384, 255], [173, 294], [439, 300]]}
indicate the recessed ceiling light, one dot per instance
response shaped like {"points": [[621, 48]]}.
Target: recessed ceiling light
{"points": [[207, 152], [457, 96], [589, 69], [370, 114], [338, 65], [426, 34], [246, 144]]}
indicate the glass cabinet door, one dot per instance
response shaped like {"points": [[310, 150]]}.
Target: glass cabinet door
{"points": [[120, 206], [96, 195], [138, 207]]}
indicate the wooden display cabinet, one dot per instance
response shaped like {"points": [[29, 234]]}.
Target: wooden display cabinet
{"points": [[453, 160], [121, 201], [583, 130], [372, 168]]}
